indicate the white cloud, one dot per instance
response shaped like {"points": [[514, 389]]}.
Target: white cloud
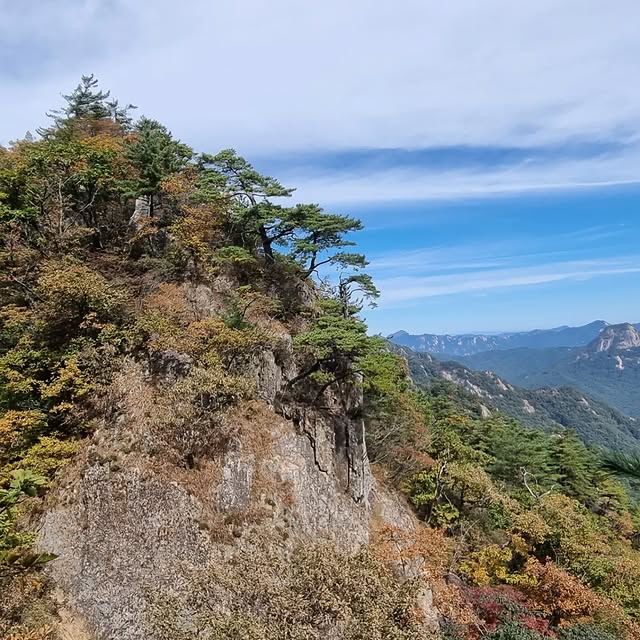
{"points": [[405, 289], [286, 74], [427, 183]]}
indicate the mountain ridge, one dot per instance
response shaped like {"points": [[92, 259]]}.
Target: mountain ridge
{"points": [[608, 368], [549, 408], [618, 337], [471, 343]]}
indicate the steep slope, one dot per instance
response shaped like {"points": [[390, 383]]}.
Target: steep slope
{"points": [[468, 344], [619, 337], [546, 408], [291, 476], [182, 405], [607, 369]]}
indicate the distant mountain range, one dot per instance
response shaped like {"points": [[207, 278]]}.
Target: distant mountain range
{"points": [[469, 344], [608, 368], [547, 408]]}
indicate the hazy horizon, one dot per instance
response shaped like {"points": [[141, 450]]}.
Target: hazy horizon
{"points": [[507, 331]]}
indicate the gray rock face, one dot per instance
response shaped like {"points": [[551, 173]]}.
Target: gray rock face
{"points": [[140, 212], [169, 365], [145, 207], [234, 492], [118, 534], [617, 337], [129, 526]]}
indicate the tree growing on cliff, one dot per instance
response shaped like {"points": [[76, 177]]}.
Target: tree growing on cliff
{"points": [[250, 191], [308, 234], [156, 155], [320, 238]]}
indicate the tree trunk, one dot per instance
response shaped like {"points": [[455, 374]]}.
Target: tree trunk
{"points": [[266, 245]]}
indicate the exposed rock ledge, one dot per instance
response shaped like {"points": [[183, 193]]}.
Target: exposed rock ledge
{"points": [[129, 524]]}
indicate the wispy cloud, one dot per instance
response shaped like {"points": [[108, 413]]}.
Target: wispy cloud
{"points": [[433, 183], [510, 251], [511, 261], [411, 288], [362, 102], [388, 100]]}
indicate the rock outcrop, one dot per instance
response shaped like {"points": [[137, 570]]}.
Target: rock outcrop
{"points": [[617, 337], [130, 524]]}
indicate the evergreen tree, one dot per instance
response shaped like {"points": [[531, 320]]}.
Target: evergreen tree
{"points": [[312, 237], [354, 291], [87, 102], [519, 456], [238, 180], [622, 463], [156, 155], [322, 233], [574, 465]]}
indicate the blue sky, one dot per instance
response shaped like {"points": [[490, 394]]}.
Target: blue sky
{"points": [[492, 149], [506, 264]]}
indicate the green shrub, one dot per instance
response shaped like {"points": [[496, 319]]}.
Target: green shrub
{"points": [[514, 631], [15, 555], [586, 632]]}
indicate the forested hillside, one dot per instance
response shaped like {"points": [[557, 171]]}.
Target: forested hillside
{"points": [[546, 408], [607, 369], [183, 411]]}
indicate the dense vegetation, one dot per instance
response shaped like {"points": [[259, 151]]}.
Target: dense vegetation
{"points": [[106, 223], [547, 408], [537, 525], [601, 375]]}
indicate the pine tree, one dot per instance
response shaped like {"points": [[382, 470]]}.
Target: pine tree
{"points": [[87, 102], [156, 155], [323, 233], [625, 464], [574, 465], [312, 237], [250, 190]]}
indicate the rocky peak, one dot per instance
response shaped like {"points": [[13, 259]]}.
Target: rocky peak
{"points": [[616, 337]]}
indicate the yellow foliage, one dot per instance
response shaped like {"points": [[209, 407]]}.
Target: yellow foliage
{"points": [[210, 341], [531, 527], [72, 294], [198, 230], [14, 319], [49, 455], [212, 338], [42, 633], [19, 426], [487, 566], [69, 384]]}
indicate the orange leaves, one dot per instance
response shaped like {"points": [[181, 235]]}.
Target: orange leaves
{"points": [[563, 597], [416, 551], [20, 426]]}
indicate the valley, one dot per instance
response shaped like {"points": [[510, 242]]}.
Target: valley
{"points": [[607, 367]]}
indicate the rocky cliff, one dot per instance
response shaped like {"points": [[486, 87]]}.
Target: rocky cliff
{"points": [[136, 526], [616, 338]]}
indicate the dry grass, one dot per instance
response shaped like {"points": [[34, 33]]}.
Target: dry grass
{"points": [[26, 611], [312, 593]]}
